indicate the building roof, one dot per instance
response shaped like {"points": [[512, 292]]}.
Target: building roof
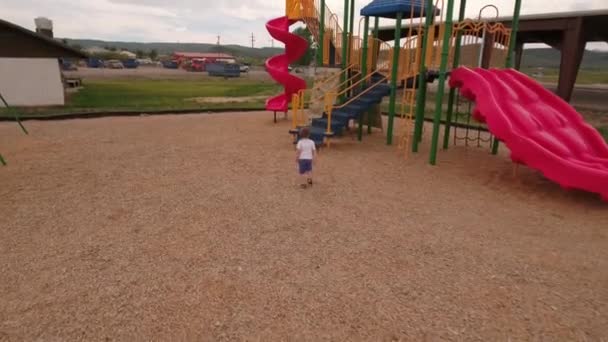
{"points": [[390, 8], [553, 22], [202, 55], [19, 42]]}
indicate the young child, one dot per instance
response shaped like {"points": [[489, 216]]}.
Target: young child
{"points": [[306, 152]]}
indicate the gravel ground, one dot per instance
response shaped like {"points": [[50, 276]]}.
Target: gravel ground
{"points": [[192, 227]]}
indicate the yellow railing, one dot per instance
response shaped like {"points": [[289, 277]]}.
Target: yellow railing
{"points": [[472, 34], [330, 99], [299, 9], [334, 77], [304, 97], [353, 86], [407, 121], [296, 112], [382, 54], [333, 30]]}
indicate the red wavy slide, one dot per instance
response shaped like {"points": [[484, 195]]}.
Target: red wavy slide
{"points": [[278, 66], [541, 130]]}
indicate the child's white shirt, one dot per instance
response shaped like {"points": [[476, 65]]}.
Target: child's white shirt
{"points": [[306, 148]]}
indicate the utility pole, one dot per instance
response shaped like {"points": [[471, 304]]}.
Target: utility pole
{"points": [[272, 43], [252, 40], [219, 49]]}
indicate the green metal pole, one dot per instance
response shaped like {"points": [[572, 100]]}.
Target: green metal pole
{"points": [[442, 77], [321, 34], [344, 46], [394, 72], [421, 96], [512, 44], [351, 34], [376, 30], [376, 26], [373, 68], [351, 30], [364, 72], [365, 48], [448, 119]]}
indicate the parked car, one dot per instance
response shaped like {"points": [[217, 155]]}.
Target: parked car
{"points": [[130, 64], [145, 62], [114, 64], [95, 63], [196, 64], [67, 65], [244, 68], [223, 70], [170, 64]]}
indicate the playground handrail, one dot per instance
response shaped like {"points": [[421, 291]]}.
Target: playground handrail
{"points": [[333, 76], [352, 86], [360, 94]]}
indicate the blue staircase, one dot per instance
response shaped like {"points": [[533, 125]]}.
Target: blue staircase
{"points": [[341, 117]]}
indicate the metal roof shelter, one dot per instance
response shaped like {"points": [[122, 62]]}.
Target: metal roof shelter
{"points": [[19, 42], [568, 32], [390, 8]]}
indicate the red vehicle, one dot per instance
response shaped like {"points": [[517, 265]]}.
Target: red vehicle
{"points": [[197, 64]]}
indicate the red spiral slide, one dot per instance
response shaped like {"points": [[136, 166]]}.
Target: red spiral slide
{"points": [[541, 130], [278, 66]]}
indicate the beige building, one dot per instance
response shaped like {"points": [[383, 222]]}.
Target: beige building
{"points": [[30, 74]]}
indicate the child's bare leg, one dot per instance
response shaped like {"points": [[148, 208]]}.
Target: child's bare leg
{"points": [[303, 179]]}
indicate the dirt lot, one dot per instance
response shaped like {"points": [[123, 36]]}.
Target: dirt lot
{"points": [[192, 227]]}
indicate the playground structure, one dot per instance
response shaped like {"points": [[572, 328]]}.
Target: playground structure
{"points": [[512, 107]]}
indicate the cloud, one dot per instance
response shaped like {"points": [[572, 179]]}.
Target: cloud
{"points": [[201, 20]]}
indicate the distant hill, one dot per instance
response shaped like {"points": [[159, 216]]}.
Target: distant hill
{"points": [[533, 58], [550, 58], [168, 48]]}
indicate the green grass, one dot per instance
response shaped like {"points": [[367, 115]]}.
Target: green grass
{"points": [[156, 95], [604, 132], [585, 76]]}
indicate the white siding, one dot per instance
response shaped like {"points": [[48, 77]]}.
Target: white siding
{"points": [[31, 82]]}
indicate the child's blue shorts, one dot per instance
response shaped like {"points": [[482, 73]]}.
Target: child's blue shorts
{"points": [[305, 165]]}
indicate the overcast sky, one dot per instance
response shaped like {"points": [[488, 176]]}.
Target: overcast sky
{"points": [[201, 21]]}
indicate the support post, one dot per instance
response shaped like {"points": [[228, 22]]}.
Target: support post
{"points": [[394, 73], [364, 71], [509, 62], [572, 52], [519, 54], [452, 96], [442, 79], [321, 34], [343, 78], [421, 96], [488, 46]]}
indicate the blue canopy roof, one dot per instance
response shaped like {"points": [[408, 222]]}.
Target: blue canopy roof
{"points": [[390, 8]]}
